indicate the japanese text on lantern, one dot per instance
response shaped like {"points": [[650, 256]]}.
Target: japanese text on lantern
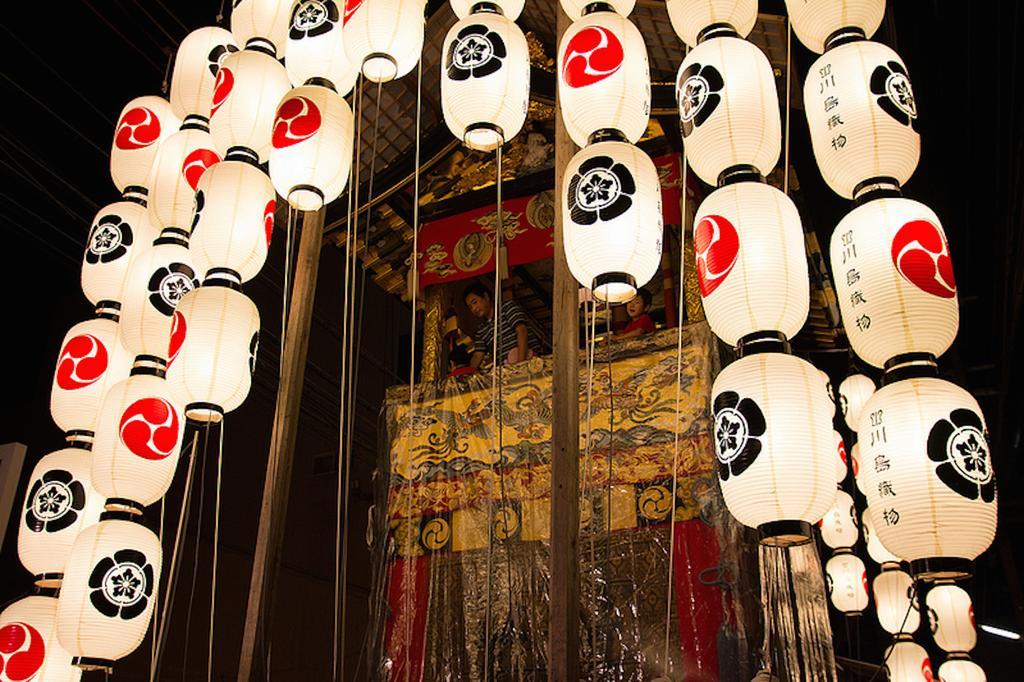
{"points": [[857, 298], [830, 103], [878, 436]]}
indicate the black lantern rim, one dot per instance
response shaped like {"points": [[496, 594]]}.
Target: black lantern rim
{"points": [[721, 29], [931, 569], [766, 341], [610, 278], [785, 533], [204, 412]]}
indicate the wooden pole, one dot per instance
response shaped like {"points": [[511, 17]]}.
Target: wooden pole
{"points": [[274, 507], [563, 637]]}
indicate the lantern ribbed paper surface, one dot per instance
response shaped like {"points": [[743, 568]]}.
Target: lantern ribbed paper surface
{"points": [[876, 550], [267, 19], [182, 161], [383, 37], [312, 147], [815, 20], [841, 457], [575, 8], [951, 616], [249, 86], [604, 78], [196, 64], [510, 8], [155, 282], [773, 433], [854, 392], [110, 588], [485, 80], [690, 17], [927, 471], [119, 231], [144, 123], [751, 263], [839, 524], [907, 661], [212, 371], [59, 502], [961, 670], [234, 219], [897, 611], [847, 583], [855, 463], [728, 108], [613, 226], [894, 280], [137, 440], [28, 632], [91, 360], [865, 86], [316, 47]]}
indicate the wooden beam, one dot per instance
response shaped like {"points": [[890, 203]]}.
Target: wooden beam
{"points": [[563, 637], [274, 507]]}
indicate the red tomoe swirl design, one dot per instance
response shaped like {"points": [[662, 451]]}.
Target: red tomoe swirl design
{"points": [[22, 652], [221, 88], [921, 256], [268, 219], [590, 56], [139, 127], [841, 447], [926, 670], [82, 362], [350, 8], [196, 163], [298, 119], [178, 331], [717, 244], [149, 428]]}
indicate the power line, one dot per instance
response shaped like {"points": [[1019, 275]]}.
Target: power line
{"points": [[11, 142], [122, 36], [53, 113], [15, 202], [174, 41], [174, 16], [20, 168]]}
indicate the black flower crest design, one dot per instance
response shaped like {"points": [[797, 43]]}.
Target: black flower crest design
{"points": [[198, 204], [960, 445], [217, 56], [313, 18], [168, 284], [895, 95], [121, 585], [53, 502], [602, 189], [476, 52], [739, 425], [699, 93], [254, 346], [109, 239]]}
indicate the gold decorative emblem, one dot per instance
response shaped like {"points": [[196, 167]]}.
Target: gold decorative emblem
{"points": [[506, 523], [436, 535], [472, 251], [655, 502]]}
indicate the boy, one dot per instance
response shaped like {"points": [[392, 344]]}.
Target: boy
{"points": [[639, 321], [515, 340]]}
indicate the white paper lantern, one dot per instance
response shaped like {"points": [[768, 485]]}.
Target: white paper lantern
{"points": [[59, 502], [234, 219], [249, 86], [728, 108], [613, 229], [144, 123], [155, 282], [841, 465], [261, 19], [316, 48], [815, 21], [109, 592], [839, 524], [751, 263], [847, 583], [828, 385], [862, 117], [182, 161], [604, 79], [773, 432], [961, 669], [510, 8], [928, 475], [196, 63], [896, 602], [383, 37], [894, 280], [577, 8], [119, 232], [312, 147], [691, 17], [854, 392], [212, 370], [906, 661], [138, 440], [91, 360], [951, 617], [29, 648], [876, 550], [485, 80]]}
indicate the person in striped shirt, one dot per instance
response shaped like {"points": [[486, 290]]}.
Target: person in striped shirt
{"points": [[515, 340]]}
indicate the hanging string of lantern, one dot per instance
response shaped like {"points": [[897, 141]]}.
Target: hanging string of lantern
{"points": [[951, 617]]}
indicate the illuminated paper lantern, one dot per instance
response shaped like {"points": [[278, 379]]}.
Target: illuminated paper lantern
{"points": [[847, 583], [312, 147], [855, 464], [316, 50], [196, 63], [182, 161], [854, 392], [961, 669], [485, 80], [109, 592], [816, 21], [907, 661], [690, 18], [264, 21], [928, 475], [896, 602], [862, 116], [119, 231], [841, 465], [951, 616], [383, 37], [729, 109], [751, 263], [510, 8], [894, 280], [876, 550], [612, 199], [144, 123], [839, 524], [604, 79], [577, 8], [29, 647]]}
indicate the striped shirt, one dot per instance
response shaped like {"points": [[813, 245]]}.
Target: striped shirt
{"points": [[511, 316]]}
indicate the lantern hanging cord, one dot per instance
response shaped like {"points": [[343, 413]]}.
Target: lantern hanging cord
{"points": [[906, 616], [590, 325], [609, 458], [195, 555], [216, 541]]}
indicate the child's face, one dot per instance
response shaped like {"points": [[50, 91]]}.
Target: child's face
{"points": [[635, 307], [478, 305]]}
